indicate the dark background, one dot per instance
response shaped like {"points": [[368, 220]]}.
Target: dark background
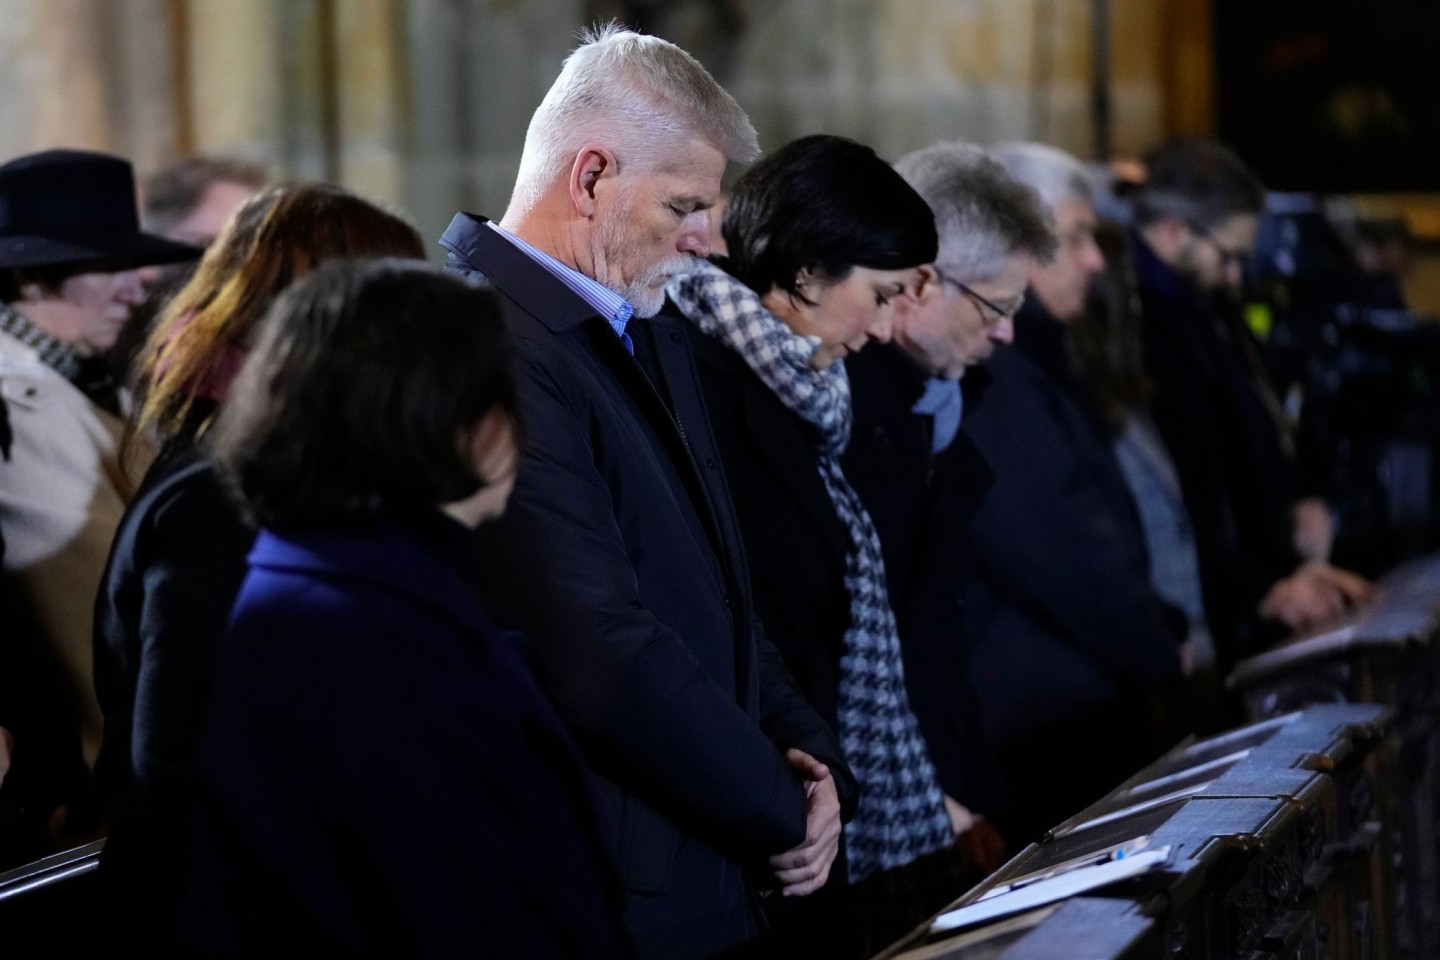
{"points": [[1332, 95]]}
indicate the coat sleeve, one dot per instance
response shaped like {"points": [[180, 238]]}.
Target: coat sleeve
{"points": [[645, 710], [789, 720], [199, 544], [1045, 536]]}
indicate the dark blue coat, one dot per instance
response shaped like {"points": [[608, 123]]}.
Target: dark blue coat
{"points": [[921, 503], [621, 558], [1060, 603], [1067, 636], [380, 774]]}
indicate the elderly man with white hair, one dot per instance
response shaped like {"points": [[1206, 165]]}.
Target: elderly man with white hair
{"points": [[620, 557], [1067, 640]]}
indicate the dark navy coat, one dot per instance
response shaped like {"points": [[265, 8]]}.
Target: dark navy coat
{"points": [[380, 774], [1067, 638], [621, 558]]}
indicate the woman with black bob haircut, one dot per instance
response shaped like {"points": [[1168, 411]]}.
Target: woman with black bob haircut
{"points": [[379, 773], [823, 239], [813, 211]]}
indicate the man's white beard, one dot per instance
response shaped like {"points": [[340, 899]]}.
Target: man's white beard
{"points": [[646, 293]]}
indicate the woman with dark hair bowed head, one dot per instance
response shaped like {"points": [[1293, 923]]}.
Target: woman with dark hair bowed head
{"points": [[380, 773], [822, 237], [179, 554]]}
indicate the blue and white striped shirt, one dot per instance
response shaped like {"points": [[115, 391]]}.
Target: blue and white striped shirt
{"points": [[605, 301]]}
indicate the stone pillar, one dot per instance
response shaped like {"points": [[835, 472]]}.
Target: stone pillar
{"points": [[227, 76], [372, 82], [54, 61]]}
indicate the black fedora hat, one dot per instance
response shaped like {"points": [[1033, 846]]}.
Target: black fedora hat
{"points": [[75, 208]]}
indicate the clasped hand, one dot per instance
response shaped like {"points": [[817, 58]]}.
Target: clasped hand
{"points": [[804, 869]]}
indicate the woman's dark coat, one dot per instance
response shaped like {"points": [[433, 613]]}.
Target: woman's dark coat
{"points": [[380, 775]]}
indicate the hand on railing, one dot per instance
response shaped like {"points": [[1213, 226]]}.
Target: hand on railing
{"points": [[1314, 594]]}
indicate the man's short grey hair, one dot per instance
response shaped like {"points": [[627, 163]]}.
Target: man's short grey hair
{"points": [[1051, 172], [983, 215], [639, 96]]}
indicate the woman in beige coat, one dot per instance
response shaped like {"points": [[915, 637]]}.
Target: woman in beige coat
{"points": [[69, 249]]}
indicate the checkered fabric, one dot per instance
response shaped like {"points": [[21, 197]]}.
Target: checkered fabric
{"points": [[902, 811]]}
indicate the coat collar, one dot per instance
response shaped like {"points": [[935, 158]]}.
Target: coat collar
{"points": [[384, 556], [474, 247]]}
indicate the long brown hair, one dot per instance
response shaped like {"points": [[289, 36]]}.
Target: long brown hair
{"points": [[276, 237], [1106, 346]]}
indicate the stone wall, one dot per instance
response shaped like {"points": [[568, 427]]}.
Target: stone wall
{"points": [[424, 103]]}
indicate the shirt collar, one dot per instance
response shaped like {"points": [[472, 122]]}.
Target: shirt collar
{"points": [[943, 402], [601, 298], [52, 351]]}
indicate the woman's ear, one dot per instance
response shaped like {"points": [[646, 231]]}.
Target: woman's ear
{"points": [[804, 281], [493, 448], [495, 456]]}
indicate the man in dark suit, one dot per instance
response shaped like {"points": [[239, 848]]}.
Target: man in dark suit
{"points": [[620, 556], [1196, 220], [919, 476]]}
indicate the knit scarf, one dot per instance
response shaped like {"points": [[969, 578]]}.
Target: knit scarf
{"points": [[901, 814], [91, 375]]}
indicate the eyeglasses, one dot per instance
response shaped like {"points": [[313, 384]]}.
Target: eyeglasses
{"points": [[997, 314], [1228, 257]]}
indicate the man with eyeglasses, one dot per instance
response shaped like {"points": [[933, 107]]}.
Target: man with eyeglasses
{"points": [[1066, 642], [1195, 222], [917, 474]]}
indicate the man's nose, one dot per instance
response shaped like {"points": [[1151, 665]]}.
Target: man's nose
{"points": [[695, 235]]}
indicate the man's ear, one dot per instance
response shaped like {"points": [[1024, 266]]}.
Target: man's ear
{"points": [[1168, 236], [927, 283], [592, 164], [1176, 227]]}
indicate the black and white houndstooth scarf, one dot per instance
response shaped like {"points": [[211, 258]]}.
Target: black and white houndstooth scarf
{"points": [[902, 811]]}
